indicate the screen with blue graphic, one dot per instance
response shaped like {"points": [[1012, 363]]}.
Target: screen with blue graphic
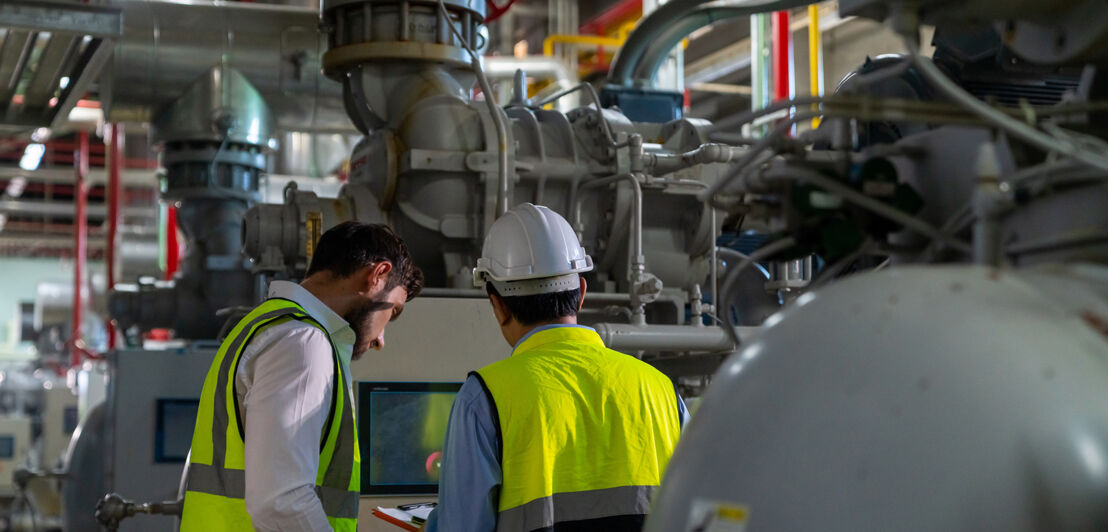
{"points": [[401, 430]]}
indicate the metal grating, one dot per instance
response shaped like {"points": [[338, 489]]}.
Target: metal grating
{"points": [[49, 55]]}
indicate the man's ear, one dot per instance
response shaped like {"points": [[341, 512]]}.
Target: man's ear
{"points": [[500, 310], [378, 275], [581, 299]]}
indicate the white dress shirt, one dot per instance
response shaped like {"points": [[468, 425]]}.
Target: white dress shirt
{"points": [[284, 391]]}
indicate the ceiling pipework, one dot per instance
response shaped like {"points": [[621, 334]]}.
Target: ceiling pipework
{"points": [[49, 54]]}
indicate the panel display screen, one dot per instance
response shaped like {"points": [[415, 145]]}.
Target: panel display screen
{"points": [[176, 419], [7, 447], [401, 430], [69, 419]]}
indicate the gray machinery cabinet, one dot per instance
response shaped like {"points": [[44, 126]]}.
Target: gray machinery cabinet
{"points": [[144, 435]]}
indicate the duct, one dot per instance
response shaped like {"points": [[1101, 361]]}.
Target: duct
{"points": [[215, 138], [312, 154], [660, 27], [166, 45], [220, 106]]}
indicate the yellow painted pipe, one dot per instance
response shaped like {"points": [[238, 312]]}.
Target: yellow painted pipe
{"points": [[591, 40], [815, 48]]}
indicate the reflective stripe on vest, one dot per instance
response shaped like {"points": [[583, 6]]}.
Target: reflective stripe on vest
{"points": [[586, 432], [216, 484]]}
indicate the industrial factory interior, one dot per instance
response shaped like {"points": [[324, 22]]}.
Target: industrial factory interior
{"points": [[861, 245]]}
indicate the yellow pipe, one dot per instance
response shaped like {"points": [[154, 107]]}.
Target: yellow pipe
{"points": [[593, 40], [815, 48]]}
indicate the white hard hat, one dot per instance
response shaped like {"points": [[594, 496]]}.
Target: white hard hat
{"points": [[531, 250]]}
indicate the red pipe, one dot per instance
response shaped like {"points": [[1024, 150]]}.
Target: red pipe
{"points": [[80, 241], [782, 42], [115, 151], [607, 20], [172, 251]]}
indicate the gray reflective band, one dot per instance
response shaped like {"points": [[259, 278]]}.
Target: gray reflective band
{"points": [[340, 469], [338, 503], [231, 483], [214, 480], [220, 420], [576, 506]]}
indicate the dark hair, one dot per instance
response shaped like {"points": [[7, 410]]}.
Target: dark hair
{"points": [[540, 308], [350, 246]]}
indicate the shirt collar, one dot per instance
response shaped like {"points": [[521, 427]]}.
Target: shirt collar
{"points": [[547, 328], [329, 319]]}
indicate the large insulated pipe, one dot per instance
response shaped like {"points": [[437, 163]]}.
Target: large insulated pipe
{"points": [[651, 29], [664, 43]]}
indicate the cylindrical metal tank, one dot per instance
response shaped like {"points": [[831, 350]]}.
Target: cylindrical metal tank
{"points": [[917, 398]]}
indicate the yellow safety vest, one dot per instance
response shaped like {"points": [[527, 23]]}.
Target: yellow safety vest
{"points": [[585, 432], [216, 484]]}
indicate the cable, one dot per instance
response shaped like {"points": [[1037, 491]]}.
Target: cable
{"points": [[1000, 119], [732, 276], [501, 128]]}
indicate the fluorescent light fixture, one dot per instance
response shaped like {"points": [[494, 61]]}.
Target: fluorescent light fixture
{"points": [[32, 156]]}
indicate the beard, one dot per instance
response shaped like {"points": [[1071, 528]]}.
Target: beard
{"points": [[359, 320]]}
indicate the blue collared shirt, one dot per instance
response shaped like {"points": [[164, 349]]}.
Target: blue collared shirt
{"points": [[469, 486]]}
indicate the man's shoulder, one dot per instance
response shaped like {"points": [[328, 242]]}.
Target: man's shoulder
{"points": [[292, 335]]}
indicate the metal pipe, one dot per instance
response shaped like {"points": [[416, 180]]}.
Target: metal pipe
{"points": [[64, 208], [664, 163], [80, 237], [172, 250], [815, 57], [630, 56], [637, 261], [591, 40], [503, 187], [115, 152], [759, 64], [782, 66], [504, 67], [621, 336], [635, 247], [659, 49]]}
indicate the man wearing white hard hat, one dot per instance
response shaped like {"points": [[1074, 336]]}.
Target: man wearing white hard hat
{"points": [[564, 435]]}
